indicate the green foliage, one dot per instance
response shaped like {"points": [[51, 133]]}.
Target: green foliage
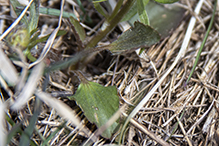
{"points": [[98, 1], [15, 4], [139, 36], [99, 8], [203, 43], [19, 37], [99, 103], [142, 12], [34, 15], [134, 10], [27, 133], [162, 19], [78, 28], [166, 1]]}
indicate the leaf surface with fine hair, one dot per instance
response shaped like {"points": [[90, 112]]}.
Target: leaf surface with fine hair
{"points": [[99, 103]]}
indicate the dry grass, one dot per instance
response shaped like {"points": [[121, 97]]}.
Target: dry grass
{"points": [[173, 112]]}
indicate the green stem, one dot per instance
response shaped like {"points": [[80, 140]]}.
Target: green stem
{"points": [[102, 33], [176, 125], [203, 43], [115, 11]]}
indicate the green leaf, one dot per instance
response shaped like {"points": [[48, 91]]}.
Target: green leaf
{"points": [[139, 36], [162, 18], [49, 11], [78, 28], [15, 4], [19, 37], [99, 8], [133, 11], [35, 40], [99, 103], [34, 15], [142, 12], [166, 1], [55, 12]]}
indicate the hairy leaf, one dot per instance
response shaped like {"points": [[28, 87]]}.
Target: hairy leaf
{"points": [[99, 103], [34, 15], [139, 36]]}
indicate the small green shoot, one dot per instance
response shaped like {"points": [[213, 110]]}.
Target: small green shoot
{"points": [[19, 37]]}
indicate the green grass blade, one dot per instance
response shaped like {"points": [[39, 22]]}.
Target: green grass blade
{"points": [[16, 129], [53, 134], [203, 43], [26, 135]]}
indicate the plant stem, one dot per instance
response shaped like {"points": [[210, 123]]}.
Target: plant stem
{"points": [[110, 25], [115, 11]]}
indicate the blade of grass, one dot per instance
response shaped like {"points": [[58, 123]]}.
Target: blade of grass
{"points": [[203, 43], [46, 142], [87, 18], [176, 125], [15, 130], [28, 132], [41, 136], [55, 12]]}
